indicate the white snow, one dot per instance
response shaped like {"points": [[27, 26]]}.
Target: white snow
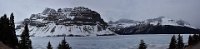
{"points": [[39, 20], [64, 30], [123, 25]]}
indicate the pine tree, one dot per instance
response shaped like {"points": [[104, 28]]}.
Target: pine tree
{"points": [[1, 34], [4, 29], [59, 46], [7, 31], [25, 42], [49, 46], [198, 37], [12, 31], [142, 45], [195, 39], [173, 43], [64, 45], [190, 40], [180, 43]]}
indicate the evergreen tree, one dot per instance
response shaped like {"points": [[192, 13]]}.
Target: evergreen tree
{"points": [[49, 46], [190, 40], [59, 46], [8, 35], [13, 37], [5, 29], [173, 43], [198, 37], [25, 42], [195, 39], [180, 43], [4, 22], [64, 45], [142, 45]]}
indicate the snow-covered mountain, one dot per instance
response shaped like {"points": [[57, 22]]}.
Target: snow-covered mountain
{"points": [[154, 21], [77, 21], [159, 25], [121, 23], [167, 21], [82, 21]]}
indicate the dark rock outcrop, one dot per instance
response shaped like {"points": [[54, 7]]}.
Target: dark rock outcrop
{"points": [[157, 29]]}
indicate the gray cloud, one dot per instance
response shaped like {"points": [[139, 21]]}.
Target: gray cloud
{"points": [[111, 9]]}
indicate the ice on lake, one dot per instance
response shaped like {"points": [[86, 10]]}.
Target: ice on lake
{"points": [[153, 41]]}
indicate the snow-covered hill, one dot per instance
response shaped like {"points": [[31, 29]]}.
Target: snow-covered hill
{"points": [[77, 21]]}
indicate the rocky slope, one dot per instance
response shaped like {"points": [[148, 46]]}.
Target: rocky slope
{"points": [[77, 21]]}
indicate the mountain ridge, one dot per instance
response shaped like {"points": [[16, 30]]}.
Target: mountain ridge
{"points": [[159, 25], [77, 21], [82, 21]]}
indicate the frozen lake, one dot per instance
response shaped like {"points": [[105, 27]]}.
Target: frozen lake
{"points": [[153, 41]]}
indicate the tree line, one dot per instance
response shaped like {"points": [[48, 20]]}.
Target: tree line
{"points": [[177, 43], [193, 39], [8, 35], [7, 31]]}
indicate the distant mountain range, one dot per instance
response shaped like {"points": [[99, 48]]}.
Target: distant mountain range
{"points": [[160, 25], [82, 21]]}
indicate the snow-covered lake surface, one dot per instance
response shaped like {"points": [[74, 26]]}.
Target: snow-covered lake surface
{"points": [[153, 41]]}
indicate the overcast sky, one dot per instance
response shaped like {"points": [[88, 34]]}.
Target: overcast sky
{"points": [[188, 10]]}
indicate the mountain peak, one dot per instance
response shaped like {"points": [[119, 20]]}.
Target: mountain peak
{"points": [[162, 20], [66, 21]]}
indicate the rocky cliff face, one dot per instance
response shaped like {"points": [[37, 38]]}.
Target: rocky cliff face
{"points": [[79, 21]]}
